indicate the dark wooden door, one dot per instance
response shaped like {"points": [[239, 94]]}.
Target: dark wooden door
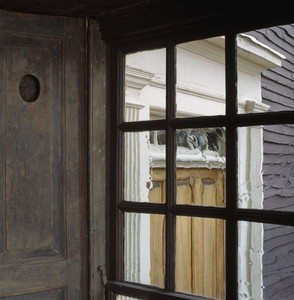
{"points": [[43, 245]]}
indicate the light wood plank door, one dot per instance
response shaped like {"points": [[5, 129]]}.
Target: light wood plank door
{"points": [[200, 241]]}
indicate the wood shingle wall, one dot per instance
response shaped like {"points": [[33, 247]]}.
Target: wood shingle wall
{"points": [[278, 166]]}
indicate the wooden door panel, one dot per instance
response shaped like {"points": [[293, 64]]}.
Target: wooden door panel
{"points": [[209, 258], [157, 250], [183, 254], [157, 231], [220, 259], [197, 190], [184, 193], [197, 259], [33, 202], [42, 158], [200, 241]]}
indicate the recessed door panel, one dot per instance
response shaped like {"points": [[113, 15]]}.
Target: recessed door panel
{"points": [[33, 151], [42, 158]]}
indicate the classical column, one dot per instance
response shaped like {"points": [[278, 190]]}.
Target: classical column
{"points": [[136, 174]]}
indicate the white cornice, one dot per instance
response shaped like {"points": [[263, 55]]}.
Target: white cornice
{"points": [[250, 49], [134, 104], [200, 92], [211, 48], [137, 78], [195, 91]]}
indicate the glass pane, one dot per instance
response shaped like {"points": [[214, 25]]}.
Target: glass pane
{"points": [[265, 261], [144, 166], [265, 70], [201, 78], [266, 167], [144, 249], [200, 256], [201, 166], [145, 94]]}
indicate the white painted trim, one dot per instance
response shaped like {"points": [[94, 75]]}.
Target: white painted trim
{"points": [[187, 158], [251, 106], [204, 48], [195, 90], [134, 104], [248, 47], [259, 55], [137, 78]]}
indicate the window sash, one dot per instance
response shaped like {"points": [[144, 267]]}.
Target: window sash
{"points": [[231, 214]]}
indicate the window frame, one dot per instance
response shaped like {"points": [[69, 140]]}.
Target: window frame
{"points": [[230, 213]]}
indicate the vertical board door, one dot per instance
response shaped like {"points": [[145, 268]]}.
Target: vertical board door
{"points": [[43, 245], [199, 241]]}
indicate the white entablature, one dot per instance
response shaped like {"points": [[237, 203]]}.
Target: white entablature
{"points": [[200, 76]]}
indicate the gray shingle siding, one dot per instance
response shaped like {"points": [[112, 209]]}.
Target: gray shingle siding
{"points": [[278, 166]]}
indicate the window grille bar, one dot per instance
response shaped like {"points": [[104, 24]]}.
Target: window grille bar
{"points": [[267, 118], [170, 166], [242, 214], [231, 167], [138, 126], [240, 120], [265, 216]]}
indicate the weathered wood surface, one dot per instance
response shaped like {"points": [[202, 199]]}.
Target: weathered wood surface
{"points": [[43, 244], [97, 160]]}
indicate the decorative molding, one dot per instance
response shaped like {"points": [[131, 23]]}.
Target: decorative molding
{"points": [[134, 104], [249, 48], [261, 56], [137, 78], [251, 106], [193, 159], [212, 48], [254, 106], [195, 91], [201, 92], [157, 112]]}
